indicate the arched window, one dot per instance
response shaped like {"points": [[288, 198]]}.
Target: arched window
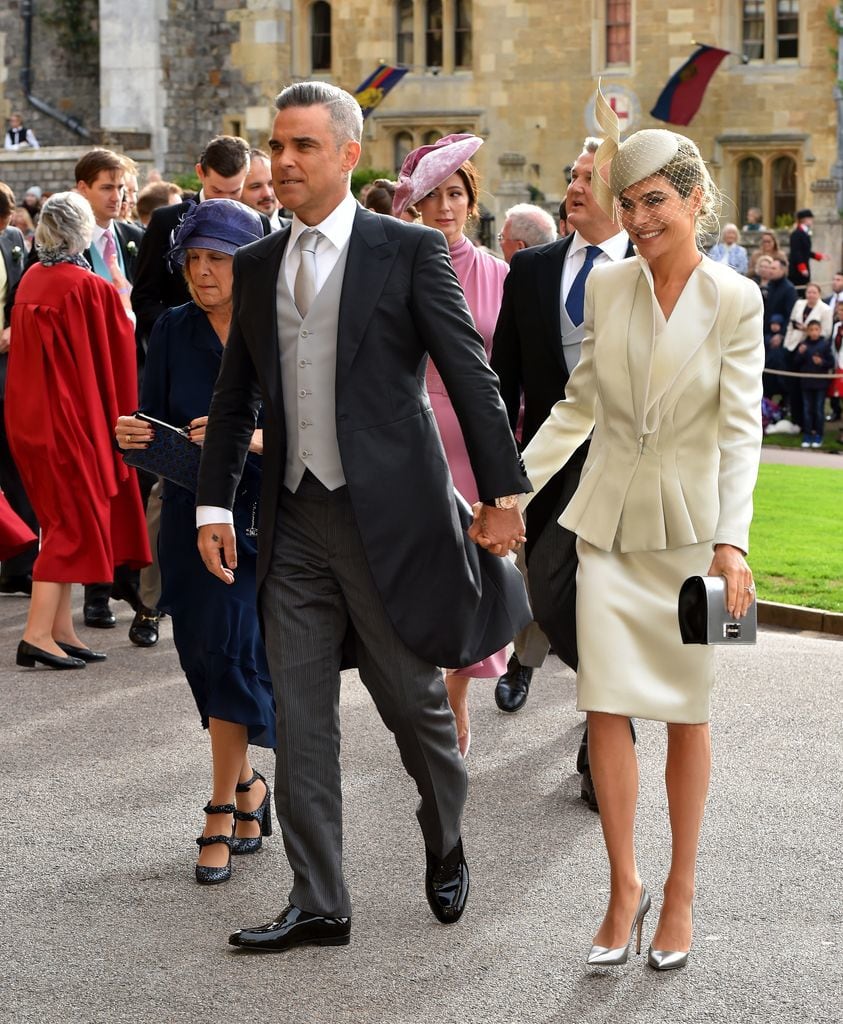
{"points": [[750, 185], [462, 34], [784, 186], [404, 32], [402, 144], [320, 36], [432, 136], [433, 31]]}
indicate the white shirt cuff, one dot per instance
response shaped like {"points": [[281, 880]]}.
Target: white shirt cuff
{"points": [[207, 514]]}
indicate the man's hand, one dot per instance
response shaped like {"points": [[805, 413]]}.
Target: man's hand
{"points": [[213, 539], [497, 530]]}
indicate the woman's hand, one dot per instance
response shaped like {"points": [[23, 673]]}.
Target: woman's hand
{"points": [[730, 563], [131, 432], [5, 339], [196, 429], [256, 444]]}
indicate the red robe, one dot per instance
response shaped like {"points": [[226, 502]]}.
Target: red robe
{"points": [[71, 373]]}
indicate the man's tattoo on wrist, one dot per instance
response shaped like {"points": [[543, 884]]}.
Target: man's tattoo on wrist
{"points": [[215, 538]]}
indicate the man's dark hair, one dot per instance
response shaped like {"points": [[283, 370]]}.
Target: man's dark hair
{"points": [[226, 155], [254, 151], [94, 161]]}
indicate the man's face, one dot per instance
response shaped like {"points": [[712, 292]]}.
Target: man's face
{"points": [[583, 212], [778, 271], [15, 121], [257, 190], [104, 194], [215, 186], [813, 330], [509, 245], [310, 170], [837, 283], [764, 269]]}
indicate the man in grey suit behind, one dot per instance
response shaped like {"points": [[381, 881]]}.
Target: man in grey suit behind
{"points": [[361, 536]]}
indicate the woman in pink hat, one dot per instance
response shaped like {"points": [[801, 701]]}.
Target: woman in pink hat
{"points": [[443, 185]]}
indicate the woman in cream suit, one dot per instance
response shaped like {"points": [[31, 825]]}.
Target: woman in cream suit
{"points": [[670, 383]]}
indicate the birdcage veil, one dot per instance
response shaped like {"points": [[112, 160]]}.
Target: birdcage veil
{"points": [[620, 165]]}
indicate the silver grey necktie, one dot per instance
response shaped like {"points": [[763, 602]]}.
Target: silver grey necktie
{"points": [[304, 289]]}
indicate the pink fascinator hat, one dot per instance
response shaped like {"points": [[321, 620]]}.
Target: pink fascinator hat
{"points": [[428, 166]]}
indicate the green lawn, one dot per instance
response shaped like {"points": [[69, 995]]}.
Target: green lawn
{"points": [[796, 542]]}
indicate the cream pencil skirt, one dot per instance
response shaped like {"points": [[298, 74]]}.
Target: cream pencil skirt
{"points": [[631, 657]]}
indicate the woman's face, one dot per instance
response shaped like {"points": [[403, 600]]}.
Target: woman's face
{"points": [[658, 220], [730, 236], [768, 243], [812, 294], [212, 276], [446, 208]]}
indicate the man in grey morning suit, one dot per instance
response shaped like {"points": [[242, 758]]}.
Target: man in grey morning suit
{"points": [[361, 537]]}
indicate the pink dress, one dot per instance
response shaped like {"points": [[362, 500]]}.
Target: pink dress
{"points": [[481, 276]]}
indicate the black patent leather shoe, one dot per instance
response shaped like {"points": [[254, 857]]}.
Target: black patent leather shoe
{"points": [[84, 653], [294, 927], [28, 656], [16, 585], [99, 616], [446, 884], [143, 631], [513, 686]]}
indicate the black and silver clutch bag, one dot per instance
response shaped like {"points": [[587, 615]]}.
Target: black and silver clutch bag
{"points": [[171, 454], [704, 619]]}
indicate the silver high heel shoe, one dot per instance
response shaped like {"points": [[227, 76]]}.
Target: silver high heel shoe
{"points": [[668, 959], [603, 956]]}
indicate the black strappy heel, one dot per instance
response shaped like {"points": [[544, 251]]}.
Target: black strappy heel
{"points": [[210, 875], [251, 844]]}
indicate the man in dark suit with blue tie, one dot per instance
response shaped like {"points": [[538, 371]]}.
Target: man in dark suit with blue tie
{"points": [[536, 347], [361, 535]]}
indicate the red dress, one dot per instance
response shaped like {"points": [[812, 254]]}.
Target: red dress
{"points": [[15, 535], [71, 373]]}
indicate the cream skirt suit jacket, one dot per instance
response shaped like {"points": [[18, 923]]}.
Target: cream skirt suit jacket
{"points": [[675, 407]]}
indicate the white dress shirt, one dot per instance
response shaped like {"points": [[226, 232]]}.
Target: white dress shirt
{"points": [[336, 228], [612, 250]]}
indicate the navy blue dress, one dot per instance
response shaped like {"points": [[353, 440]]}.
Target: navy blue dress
{"points": [[215, 625]]}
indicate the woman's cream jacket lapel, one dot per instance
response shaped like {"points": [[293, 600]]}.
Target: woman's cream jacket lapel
{"points": [[677, 420]]}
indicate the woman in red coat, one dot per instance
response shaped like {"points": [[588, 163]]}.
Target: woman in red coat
{"points": [[71, 374]]}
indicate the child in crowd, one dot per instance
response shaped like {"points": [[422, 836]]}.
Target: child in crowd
{"points": [[813, 356]]}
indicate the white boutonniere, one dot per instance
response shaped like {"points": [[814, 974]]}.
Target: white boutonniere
{"points": [[131, 248], [16, 254]]}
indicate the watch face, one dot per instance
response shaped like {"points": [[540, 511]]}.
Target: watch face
{"points": [[507, 501]]}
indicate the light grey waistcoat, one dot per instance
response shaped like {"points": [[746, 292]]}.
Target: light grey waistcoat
{"points": [[571, 339], [308, 353]]}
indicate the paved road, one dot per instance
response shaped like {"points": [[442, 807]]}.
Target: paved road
{"points": [[105, 773], [801, 457]]}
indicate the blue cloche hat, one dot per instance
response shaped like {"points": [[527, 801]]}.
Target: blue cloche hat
{"points": [[219, 224]]}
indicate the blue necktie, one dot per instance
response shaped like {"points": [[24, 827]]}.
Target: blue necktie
{"points": [[576, 296]]}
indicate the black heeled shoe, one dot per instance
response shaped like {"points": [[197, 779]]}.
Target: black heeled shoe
{"points": [[210, 875], [83, 653], [251, 844], [28, 655]]}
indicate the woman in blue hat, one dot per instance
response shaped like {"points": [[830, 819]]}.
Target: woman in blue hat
{"points": [[215, 626]]}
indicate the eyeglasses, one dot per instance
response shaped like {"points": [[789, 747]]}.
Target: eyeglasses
{"points": [[501, 238]]}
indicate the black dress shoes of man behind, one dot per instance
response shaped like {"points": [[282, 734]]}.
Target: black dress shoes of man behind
{"points": [[294, 927], [143, 631], [446, 885], [513, 686]]}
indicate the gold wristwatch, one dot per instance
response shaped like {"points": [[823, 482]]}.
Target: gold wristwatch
{"points": [[507, 501]]}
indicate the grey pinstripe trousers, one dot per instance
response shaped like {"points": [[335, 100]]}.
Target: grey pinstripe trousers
{"points": [[318, 584]]}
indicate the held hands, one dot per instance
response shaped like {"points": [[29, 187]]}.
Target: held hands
{"points": [[497, 530], [730, 563], [218, 548]]}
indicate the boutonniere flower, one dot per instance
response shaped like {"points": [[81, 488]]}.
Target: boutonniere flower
{"points": [[131, 248], [16, 254]]}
